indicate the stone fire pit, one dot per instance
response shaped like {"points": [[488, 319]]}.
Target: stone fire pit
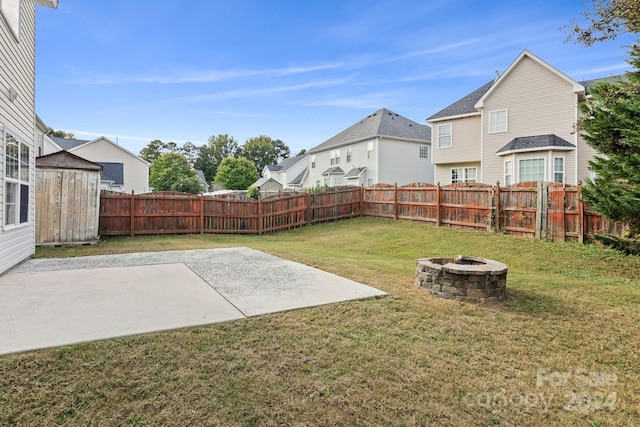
{"points": [[465, 278]]}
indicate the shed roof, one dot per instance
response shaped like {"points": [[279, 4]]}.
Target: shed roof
{"points": [[65, 160]]}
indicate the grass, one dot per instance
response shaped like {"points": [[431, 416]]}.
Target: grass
{"points": [[405, 359]]}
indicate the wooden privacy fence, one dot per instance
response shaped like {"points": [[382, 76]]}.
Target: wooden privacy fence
{"points": [[533, 209]]}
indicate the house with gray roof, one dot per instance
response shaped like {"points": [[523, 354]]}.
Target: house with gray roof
{"points": [[382, 148], [121, 169], [521, 126], [289, 172]]}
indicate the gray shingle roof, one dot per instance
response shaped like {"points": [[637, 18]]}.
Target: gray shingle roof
{"points": [[465, 105], [381, 123], [333, 171], [589, 84], [68, 144], [298, 179], [537, 141], [112, 172], [354, 172], [290, 161]]}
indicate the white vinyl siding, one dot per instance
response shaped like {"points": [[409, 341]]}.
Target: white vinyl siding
{"points": [[17, 117], [444, 135], [531, 170], [498, 121]]}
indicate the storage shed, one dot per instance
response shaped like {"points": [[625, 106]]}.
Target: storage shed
{"points": [[67, 199]]}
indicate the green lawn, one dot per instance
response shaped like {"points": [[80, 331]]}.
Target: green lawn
{"points": [[562, 349]]}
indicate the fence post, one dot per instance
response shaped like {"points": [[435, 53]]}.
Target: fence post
{"points": [[496, 207], [132, 213], [438, 204], [395, 201], [540, 208], [309, 208], [580, 214], [202, 214], [362, 200], [259, 216]]}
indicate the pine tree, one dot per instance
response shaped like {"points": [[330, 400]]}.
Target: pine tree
{"points": [[611, 120]]}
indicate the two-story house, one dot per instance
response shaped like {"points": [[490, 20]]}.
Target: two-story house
{"points": [[382, 148], [289, 172], [521, 126], [17, 129], [121, 169]]}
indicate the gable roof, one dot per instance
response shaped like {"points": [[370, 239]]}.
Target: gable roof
{"points": [[470, 103], [535, 143], [65, 160], [589, 84], [290, 161], [464, 106], [577, 87], [262, 181], [381, 123], [298, 179], [72, 144], [68, 144], [335, 170], [355, 172]]}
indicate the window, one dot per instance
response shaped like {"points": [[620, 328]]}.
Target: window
{"points": [[508, 172], [369, 182], [497, 121], [531, 170], [349, 155], [337, 180], [335, 157], [313, 162], [444, 135], [327, 181], [558, 169], [464, 175], [16, 191], [424, 152], [370, 150]]}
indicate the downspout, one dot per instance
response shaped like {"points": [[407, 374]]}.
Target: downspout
{"points": [[482, 145], [377, 154], [576, 137]]}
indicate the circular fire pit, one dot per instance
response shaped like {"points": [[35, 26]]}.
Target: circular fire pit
{"points": [[465, 278]]}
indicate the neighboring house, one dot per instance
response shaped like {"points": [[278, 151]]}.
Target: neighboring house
{"points": [[122, 170], [267, 185], [289, 172], [17, 129], [520, 127], [201, 177], [383, 147]]}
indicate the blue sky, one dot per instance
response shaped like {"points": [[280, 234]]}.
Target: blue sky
{"points": [[298, 71]]}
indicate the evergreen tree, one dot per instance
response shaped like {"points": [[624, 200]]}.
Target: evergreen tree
{"points": [[611, 120]]}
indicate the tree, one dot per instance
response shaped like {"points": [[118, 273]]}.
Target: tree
{"points": [[236, 173], [611, 120], [263, 150], [190, 151], [213, 153], [607, 20], [172, 172], [60, 133], [157, 148]]}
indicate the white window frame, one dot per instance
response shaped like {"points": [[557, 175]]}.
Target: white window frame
{"points": [[540, 159], [21, 178], [498, 121], [349, 155], [424, 152], [508, 172], [464, 175], [370, 150], [553, 177], [313, 162], [445, 135]]}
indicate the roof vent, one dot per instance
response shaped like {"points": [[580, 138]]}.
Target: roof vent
{"points": [[497, 74]]}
